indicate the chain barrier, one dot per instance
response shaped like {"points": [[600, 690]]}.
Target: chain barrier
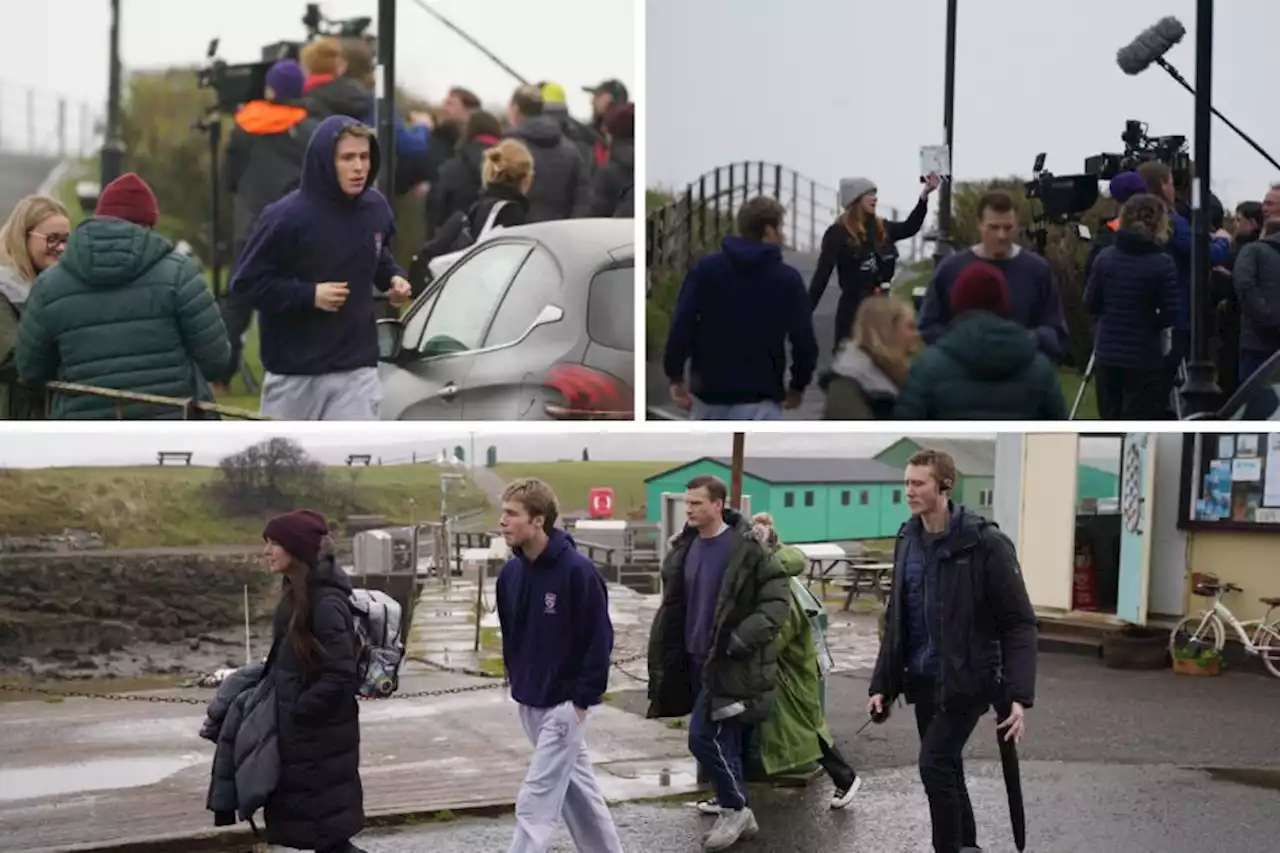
{"points": [[491, 682]]}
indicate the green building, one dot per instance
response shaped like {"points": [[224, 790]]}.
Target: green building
{"points": [[975, 466], [976, 470], [811, 500]]}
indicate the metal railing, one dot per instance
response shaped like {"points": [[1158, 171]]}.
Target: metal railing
{"points": [[190, 407], [37, 122]]}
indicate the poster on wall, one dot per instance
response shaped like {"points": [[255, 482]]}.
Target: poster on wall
{"points": [[1267, 516], [1245, 500], [1215, 502], [1244, 470], [1247, 445], [1226, 446], [1271, 476]]}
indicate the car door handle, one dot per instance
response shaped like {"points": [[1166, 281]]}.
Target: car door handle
{"points": [[448, 391]]}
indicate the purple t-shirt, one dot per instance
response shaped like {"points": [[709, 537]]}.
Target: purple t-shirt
{"points": [[705, 564]]}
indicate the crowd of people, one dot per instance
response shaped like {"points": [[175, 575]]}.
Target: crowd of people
{"points": [[113, 305], [991, 329], [737, 645]]}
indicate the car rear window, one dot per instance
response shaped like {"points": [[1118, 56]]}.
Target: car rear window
{"points": [[611, 308]]}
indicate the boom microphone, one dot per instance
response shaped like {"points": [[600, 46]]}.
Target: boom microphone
{"points": [[1150, 45]]}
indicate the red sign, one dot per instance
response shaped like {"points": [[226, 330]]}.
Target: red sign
{"points": [[600, 500]]}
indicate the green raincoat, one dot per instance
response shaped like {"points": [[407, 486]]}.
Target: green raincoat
{"points": [[789, 738]]}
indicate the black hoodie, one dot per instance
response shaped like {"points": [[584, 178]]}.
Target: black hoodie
{"points": [[561, 178]]}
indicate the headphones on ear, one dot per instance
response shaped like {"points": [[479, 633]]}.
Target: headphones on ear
{"points": [[947, 485]]}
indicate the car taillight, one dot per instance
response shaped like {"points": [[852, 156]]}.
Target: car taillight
{"points": [[588, 394]]}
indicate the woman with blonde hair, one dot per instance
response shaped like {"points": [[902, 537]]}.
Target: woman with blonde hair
{"points": [[872, 365], [31, 241], [507, 176], [860, 247]]}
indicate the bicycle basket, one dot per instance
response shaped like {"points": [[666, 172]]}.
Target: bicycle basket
{"points": [[1206, 589]]}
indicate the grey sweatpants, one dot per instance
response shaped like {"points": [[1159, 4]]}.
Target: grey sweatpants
{"points": [[353, 395], [561, 784]]}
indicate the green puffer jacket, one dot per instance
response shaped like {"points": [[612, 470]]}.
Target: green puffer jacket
{"points": [[754, 601], [983, 368], [122, 310]]}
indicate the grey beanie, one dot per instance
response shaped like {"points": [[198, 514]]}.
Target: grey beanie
{"points": [[852, 189]]}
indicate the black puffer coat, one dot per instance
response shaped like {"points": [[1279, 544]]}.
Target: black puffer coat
{"points": [[319, 801]]}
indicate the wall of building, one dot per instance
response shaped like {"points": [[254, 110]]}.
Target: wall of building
{"points": [[1096, 483], [831, 519], [971, 491], [674, 482], [1047, 514], [1248, 560]]}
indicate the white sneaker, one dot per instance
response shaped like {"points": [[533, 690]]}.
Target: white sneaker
{"points": [[708, 807], [843, 797], [731, 826]]}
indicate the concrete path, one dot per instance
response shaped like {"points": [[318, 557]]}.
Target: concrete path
{"points": [[21, 175]]}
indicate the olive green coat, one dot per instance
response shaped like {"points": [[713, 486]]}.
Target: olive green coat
{"points": [[792, 735], [754, 602]]}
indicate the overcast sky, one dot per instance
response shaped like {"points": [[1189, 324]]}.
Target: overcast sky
{"points": [[843, 88], [60, 46], [62, 445]]}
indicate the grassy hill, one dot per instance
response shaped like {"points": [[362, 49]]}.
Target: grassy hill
{"points": [[572, 481], [169, 507]]}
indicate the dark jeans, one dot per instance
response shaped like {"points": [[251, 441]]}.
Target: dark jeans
{"points": [[717, 745], [943, 735], [841, 772], [237, 314], [1132, 395]]}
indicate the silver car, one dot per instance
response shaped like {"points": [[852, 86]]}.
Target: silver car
{"points": [[535, 322]]}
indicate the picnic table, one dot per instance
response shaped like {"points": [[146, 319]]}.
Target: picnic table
{"points": [[855, 575]]}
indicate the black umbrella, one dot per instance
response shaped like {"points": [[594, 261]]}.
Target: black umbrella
{"points": [[1012, 777]]}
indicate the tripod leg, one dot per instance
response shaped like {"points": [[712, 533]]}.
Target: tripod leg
{"points": [[1084, 384]]}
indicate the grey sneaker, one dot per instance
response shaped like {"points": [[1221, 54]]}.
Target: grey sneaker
{"points": [[708, 807], [731, 826]]}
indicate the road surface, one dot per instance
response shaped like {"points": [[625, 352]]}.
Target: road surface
{"points": [[1115, 762], [21, 175], [657, 390]]}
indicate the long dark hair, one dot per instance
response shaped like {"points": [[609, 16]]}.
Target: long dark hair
{"points": [[304, 641]]}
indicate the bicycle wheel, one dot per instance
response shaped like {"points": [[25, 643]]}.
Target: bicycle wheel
{"points": [[1189, 632], [1268, 643]]}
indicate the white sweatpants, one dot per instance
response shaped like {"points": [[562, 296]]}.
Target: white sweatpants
{"points": [[561, 784]]}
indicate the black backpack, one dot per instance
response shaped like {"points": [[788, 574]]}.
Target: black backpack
{"points": [[455, 235]]}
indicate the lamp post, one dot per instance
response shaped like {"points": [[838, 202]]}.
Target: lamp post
{"points": [[1200, 391], [387, 97], [735, 478], [942, 246], [112, 159]]}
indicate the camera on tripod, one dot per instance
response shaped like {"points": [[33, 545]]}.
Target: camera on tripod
{"points": [[1141, 147]]}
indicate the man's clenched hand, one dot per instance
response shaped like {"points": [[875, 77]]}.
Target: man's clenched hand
{"points": [[331, 295], [401, 292]]}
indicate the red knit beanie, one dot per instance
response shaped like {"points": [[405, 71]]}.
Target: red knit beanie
{"points": [[980, 287], [129, 198], [300, 532]]}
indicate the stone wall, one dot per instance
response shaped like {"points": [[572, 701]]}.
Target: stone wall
{"points": [[101, 602]]}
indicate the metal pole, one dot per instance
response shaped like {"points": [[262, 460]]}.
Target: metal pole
{"points": [[942, 247], [248, 652], [112, 163], [62, 128], [735, 480], [1200, 392], [32, 140], [387, 96], [215, 190]]}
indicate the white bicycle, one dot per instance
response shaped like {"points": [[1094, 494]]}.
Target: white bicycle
{"points": [[1259, 637]]}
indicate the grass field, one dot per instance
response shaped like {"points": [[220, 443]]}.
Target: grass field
{"points": [[167, 507], [572, 481]]}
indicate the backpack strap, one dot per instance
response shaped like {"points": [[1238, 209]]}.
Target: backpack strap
{"points": [[492, 219]]}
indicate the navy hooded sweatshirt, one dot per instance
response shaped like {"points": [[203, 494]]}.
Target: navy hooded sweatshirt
{"points": [[557, 637], [736, 310], [318, 233]]}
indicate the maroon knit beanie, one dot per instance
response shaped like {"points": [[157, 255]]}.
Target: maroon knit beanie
{"points": [[129, 198], [980, 287], [300, 533]]}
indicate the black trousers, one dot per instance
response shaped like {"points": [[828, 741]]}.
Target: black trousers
{"points": [[943, 736], [841, 772], [1132, 395], [237, 314]]}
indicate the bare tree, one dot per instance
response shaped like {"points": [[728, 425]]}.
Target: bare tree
{"points": [[271, 476]]}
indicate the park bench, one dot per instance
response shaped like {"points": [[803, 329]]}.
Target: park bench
{"points": [[182, 456]]}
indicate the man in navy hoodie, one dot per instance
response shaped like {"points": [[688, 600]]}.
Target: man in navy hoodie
{"points": [[556, 643], [736, 310], [309, 268]]}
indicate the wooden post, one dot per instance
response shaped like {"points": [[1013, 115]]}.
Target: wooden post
{"points": [[735, 481]]}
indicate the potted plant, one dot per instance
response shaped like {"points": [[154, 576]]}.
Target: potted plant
{"points": [[1190, 660]]}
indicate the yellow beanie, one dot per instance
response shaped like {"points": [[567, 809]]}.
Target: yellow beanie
{"points": [[553, 93]]}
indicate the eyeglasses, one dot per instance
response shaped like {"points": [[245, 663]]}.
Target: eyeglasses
{"points": [[52, 242]]}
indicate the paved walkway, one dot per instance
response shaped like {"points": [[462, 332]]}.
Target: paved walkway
{"points": [[90, 770], [21, 175]]}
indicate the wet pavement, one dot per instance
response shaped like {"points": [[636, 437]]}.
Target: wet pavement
{"points": [[1071, 808], [21, 175]]}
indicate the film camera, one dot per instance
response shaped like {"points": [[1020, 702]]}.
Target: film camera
{"points": [[234, 85]]}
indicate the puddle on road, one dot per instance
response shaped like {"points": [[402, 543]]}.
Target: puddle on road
{"points": [[27, 783], [1252, 777]]}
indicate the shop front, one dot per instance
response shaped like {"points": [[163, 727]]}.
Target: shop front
{"points": [[1183, 504]]}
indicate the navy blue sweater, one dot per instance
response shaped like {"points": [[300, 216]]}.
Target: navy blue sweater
{"points": [[1133, 291], [316, 234], [1037, 302], [737, 308], [556, 633]]}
